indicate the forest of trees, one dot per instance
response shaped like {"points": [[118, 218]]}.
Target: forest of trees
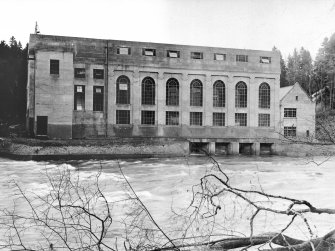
{"points": [[13, 81]]}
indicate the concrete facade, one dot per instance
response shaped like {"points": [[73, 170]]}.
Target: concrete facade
{"points": [[52, 95], [294, 97]]}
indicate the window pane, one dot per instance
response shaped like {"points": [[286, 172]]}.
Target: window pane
{"points": [[240, 119], [196, 93], [219, 57], [219, 94], [173, 54], [123, 51], [241, 95], [290, 131], [263, 120], [148, 117], [197, 55], [98, 98], [172, 118], [290, 112], [123, 90], [79, 72], [98, 73], [79, 97], [122, 117], [196, 118], [264, 96], [54, 66], [218, 119], [148, 91], [172, 92]]}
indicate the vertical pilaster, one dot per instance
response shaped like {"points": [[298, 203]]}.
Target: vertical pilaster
{"points": [[136, 94], [185, 100], [161, 99], [230, 89], [208, 102], [252, 103]]}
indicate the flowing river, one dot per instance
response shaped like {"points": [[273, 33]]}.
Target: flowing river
{"points": [[165, 186]]}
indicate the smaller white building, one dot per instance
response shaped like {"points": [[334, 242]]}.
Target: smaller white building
{"points": [[297, 112]]}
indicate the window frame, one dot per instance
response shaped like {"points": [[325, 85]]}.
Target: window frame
{"points": [[96, 74], [172, 98], [196, 117], [290, 131], [217, 101], [119, 50], [79, 96], [239, 116], [79, 73], [264, 96], [169, 117], [224, 56], [122, 96], [241, 95], [120, 119], [264, 120], [147, 120], [148, 97], [290, 112], [217, 121], [168, 53], [54, 66], [266, 58], [145, 50], [196, 100], [242, 58], [98, 99], [197, 55]]}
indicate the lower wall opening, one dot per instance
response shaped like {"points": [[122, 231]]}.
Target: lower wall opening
{"points": [[221, 148], [245, 148], [199, 148], [265, 148]]}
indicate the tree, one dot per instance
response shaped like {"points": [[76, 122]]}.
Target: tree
{"points": [[283, 69], [299, 68]]}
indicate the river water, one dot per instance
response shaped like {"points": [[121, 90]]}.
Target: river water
{"points": [[165, 187]]}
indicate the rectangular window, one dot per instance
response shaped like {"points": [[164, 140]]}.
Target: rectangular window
{"points": [[265, 60], [197, 55], [196, 118], [79, 72], [290, 131], [172, 118], [79, 97], [218, 119], [98, 73], [173, 54], [290, 112], [98, 98], [123, 51], [219, 57], [122, 117], [148, 117], [148, 52], [54, 66], [241, 58], [263, 120], [240, 119]]}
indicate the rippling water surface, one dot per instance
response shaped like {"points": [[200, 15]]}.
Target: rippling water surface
{"points": [[165, 184]]}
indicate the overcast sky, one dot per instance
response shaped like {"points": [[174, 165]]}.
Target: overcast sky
{"points": [[246, 24]]}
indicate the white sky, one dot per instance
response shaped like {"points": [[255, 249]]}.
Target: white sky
{"points": [[246, 24]]}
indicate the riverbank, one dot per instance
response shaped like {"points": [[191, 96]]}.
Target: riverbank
{"points": [[123, 148]]}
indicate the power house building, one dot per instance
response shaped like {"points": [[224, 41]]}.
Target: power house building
{"points": [[93, 88]]}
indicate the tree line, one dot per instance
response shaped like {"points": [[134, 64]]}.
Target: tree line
{"points": [[316, 77], [13, 81]]}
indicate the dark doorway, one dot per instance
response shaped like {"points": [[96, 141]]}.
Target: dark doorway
{"points": [[221, 148], [265, 148], [199, 148], [31, 127], [42, 125], [245, 148]]}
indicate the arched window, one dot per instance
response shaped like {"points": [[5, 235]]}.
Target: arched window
{"points": [[148, 91], [264, 96], [172, 92], [123, 90], [219, 94], [196, 93], [241, 94]]}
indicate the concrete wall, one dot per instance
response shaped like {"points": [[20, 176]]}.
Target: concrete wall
{"points": [[305, 119], [54, 96]]}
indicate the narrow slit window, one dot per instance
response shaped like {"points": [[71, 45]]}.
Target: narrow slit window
{"points": [[98, 98], [79, 97]]}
